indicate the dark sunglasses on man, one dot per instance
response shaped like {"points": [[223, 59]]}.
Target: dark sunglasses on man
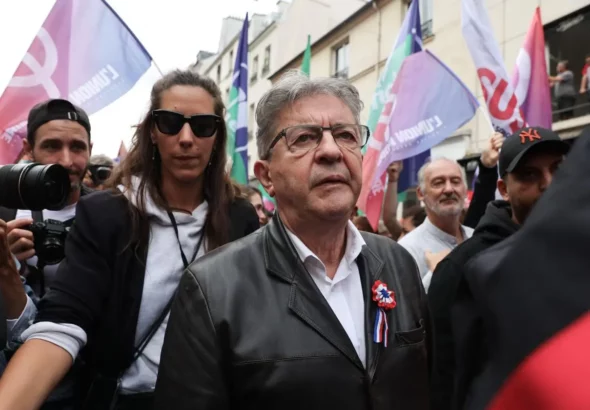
{"points": [[170, 123]]}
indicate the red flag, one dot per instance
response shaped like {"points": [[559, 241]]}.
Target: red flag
{"points": [[122, 152], [530, 79], [371, 197], [555, 376], [106, 62]]}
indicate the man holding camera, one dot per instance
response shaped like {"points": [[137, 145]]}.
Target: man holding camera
{"points": [[100, 168], [58, 132]]}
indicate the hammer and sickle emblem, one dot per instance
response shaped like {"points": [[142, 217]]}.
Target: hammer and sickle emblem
{"points": [[41, 73]]}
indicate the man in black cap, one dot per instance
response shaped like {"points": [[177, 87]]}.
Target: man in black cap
{"points": [[58, 132], [527, 162]]}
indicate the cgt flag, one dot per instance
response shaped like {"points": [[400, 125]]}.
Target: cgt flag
{"points": [[84, 53], [497, 89], [426, 113], [237, 112]]}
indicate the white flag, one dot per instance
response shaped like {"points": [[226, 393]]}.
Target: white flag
{"points": [[498, 92]]}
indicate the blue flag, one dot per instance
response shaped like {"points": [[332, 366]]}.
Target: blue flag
{"points": [[237, 113], [412, 27]]}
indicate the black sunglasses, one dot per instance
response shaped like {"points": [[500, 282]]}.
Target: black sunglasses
{"points": [[170, 123]]}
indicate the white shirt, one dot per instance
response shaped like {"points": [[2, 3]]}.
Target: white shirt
{"points": [[428, 237], [344, 293]]}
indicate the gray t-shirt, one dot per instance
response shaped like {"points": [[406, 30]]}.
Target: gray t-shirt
{"points": [[565, 88]]}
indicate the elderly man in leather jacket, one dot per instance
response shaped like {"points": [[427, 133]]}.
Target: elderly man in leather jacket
{"points": [[307, 312]]}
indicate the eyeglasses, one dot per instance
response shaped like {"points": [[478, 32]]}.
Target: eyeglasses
{"points": [[170, 123], [301, 139]]}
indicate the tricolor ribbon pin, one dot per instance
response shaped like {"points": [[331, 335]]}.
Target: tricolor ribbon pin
{"points": [[385, 301]]}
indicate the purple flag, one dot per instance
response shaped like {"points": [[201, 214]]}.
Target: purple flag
{"points": [[237, 112], [429, 104]]}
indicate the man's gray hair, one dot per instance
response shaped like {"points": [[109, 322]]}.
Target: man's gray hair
{"points": [[101, 160], [293, 86], [422, 171]]}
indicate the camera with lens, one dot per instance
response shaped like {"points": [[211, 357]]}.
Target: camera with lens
{"points": [[99, 173], [50, 237], [34, 186], [37, 187]]}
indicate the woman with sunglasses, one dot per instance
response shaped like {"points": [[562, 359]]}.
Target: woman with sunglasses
{"points": [[170, 201]]}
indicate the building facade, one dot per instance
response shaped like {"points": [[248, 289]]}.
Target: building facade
{"points": [[359, 46], [274, 40]]}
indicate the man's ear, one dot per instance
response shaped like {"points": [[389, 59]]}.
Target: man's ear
{"points": [[262, 172], [503, 189], [27, 149], [90, 148], [419, 193]]}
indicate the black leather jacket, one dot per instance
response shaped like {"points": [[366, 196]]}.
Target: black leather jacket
{"points": [[250, 330]]}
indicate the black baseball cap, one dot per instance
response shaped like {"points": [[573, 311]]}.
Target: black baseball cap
{"points": [[56, 109], [517, 145]]}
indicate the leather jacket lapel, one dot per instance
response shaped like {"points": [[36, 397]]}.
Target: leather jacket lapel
{"points": [[305, 300], [370, 269]]}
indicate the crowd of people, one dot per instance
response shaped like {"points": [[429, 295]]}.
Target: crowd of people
{"points": [[180, 290]]}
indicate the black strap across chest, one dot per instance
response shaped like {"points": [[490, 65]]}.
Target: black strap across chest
{"points": [[158, 322]]}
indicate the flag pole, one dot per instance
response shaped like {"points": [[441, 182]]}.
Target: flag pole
{"points": [[488, 119]]}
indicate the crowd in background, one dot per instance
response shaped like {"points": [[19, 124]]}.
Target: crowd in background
{"points": [[178, 288]]}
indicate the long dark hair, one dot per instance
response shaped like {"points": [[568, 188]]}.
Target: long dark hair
{"points": [[141, 161]]}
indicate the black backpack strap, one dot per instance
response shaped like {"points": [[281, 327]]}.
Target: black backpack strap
{"points": [[37, 216]]}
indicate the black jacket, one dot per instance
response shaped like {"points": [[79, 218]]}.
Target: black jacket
{"points": [[450, 375], [250, 330], [484, 192], [99, 283], [532, 290]]}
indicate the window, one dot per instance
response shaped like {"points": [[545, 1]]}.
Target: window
{"points": [[341, 61], [426, 11], [254, 74], [231, 62], [218, 73], [563, 42], [266, 66]]}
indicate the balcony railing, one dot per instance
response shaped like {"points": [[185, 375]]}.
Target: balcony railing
{"points": [[580, 109]]}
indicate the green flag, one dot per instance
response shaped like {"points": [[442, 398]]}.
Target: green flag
{"points": [[386, 81], [305, 65]]}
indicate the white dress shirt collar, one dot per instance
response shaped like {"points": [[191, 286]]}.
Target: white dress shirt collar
{"points": [[354, 245]]}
